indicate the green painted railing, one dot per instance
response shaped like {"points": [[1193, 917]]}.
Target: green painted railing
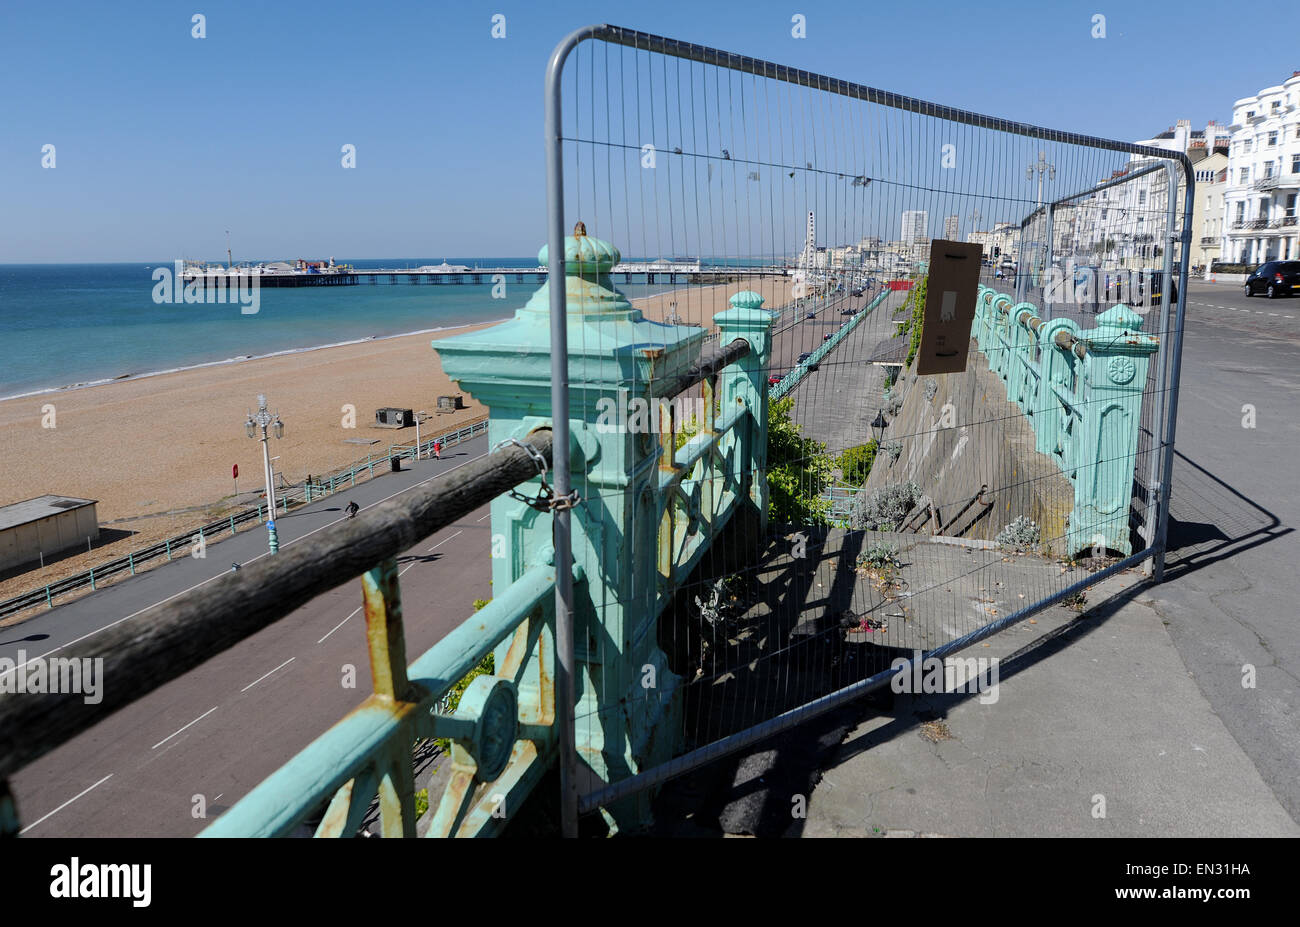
{"points": [[801, 370], [1082, 391]]}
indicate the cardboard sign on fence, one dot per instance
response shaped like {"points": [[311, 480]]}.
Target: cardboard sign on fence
{"points": [[949, 306]]}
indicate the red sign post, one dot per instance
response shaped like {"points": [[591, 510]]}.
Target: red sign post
{"points": [[234, 475]]}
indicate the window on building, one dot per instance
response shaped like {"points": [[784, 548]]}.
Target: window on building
{"points": [[1272, 139], [1295, 164], [1245, 175], [1277, 104], [1241, 211], [1250, 145], [1250, 114]]}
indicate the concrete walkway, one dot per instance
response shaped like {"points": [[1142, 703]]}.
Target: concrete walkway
{"points": [[1089, 709]]}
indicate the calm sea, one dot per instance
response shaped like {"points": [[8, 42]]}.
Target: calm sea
{"points": [[64, 325]]}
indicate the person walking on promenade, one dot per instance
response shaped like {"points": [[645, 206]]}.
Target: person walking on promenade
{"points": [[352, 508], [437, 450]]}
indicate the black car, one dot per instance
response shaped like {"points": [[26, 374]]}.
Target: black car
{"points": [[1276, 278], [812, 315]]}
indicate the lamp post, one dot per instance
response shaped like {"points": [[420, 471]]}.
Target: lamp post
{"points": [[261, 420], [878, 426], [419, 417]]}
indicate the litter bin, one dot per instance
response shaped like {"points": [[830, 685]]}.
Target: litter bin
{"points": [[395, 461]]}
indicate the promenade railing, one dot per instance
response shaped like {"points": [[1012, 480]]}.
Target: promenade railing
{"points": [[187, 543], [1082, 391]]}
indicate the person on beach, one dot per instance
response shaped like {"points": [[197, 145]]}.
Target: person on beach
{"points": [[352, 508]]}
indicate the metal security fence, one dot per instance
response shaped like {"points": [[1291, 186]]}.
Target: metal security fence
{"points": [[890, 514]]}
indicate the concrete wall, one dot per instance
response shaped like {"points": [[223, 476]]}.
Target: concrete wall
{"points": [[26, 543], [989, 443]]}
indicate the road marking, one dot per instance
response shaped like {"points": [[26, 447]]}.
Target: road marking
{"points": [[358, 609], [445, 540], [217, 576], [191, 724], [260, 678], [488, 515], [64, 805], [340, 624]]}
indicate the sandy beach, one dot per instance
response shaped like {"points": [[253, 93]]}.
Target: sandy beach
{"points": [[156, 452]]}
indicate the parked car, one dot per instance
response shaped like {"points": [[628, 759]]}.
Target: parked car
{"points": [[1275, 278], [848, 312], [826, 337], [812, 315], [774, 379], [804, 356]]}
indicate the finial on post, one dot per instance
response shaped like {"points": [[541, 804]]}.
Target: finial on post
{"points": [[580, 230]]}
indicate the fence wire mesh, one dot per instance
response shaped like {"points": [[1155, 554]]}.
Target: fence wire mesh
{"points": [[897, 512]]}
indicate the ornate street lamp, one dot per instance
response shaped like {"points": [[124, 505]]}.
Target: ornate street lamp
{"points": [[257, 422], [878, 426]]}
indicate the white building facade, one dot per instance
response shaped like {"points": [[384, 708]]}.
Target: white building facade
{"points": [[1260, 193]]}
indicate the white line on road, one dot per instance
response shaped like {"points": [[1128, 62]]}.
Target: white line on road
{"points": [[358, 609], [260, 678], [488, 515], [340, 624], [445, 540], [211, 578], [191, 724], [64, 805]]}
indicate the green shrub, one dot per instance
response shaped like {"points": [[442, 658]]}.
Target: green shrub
{"points": [[880, 557], [1021, 535], [855, 462], [798, 470], [885, 508]]}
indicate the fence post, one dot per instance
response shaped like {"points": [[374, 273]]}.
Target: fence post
{"points": [[1056, 364], [130, 559], [618, 356], [1110, 400], [747, 383], [92, 578], [232, 524], [169, 548], [998, 307]]}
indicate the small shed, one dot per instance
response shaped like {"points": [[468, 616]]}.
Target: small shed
{"points": [[394, 418], [45, 525]]}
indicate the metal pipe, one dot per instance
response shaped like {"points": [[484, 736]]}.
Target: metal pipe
{"points": [[1175, 373], [561, 527], [645, 41], [1162, 367]]}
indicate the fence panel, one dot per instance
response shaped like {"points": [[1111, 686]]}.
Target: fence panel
{"points": [[890, 514]]}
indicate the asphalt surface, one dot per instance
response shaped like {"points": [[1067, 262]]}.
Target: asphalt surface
{"points": [[1231, 588], [208, 737]]}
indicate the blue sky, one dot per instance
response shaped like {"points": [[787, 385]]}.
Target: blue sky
{"points": [[164, 141]]}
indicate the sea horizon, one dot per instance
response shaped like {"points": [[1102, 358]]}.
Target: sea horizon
{"points": [[74, 325]]}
